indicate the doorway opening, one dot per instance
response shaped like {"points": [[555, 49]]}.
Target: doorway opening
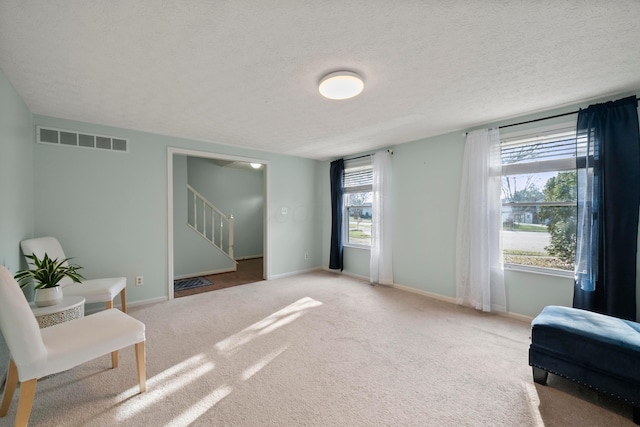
{"points": [[188, 256]]}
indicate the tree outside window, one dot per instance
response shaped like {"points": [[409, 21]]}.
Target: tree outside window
{"points": [[539, 202]]}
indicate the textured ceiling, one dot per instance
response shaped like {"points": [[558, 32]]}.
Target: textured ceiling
{"points": [[245, 73]]}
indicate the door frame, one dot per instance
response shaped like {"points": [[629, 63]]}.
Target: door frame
{"points": [[171, 151]]}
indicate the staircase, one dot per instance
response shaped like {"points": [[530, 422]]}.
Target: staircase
{"points": [[210, 223]]}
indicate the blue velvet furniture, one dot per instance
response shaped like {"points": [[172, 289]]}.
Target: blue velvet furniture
{"points": [[599, 351]]}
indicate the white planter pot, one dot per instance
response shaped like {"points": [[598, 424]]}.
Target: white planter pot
{"points": [[48, 296]]}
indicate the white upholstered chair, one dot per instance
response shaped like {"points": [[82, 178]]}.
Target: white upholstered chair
{"points": [[37, 352], [95, 290]]}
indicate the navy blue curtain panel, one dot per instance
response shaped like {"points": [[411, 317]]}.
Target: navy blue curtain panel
{"points": [[612, 130], [336, 175]]}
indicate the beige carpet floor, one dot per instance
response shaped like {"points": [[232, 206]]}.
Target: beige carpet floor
{"points": [[320, 349]]}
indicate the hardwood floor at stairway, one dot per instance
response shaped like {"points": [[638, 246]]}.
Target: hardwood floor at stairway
{"points": [[249, 271]]}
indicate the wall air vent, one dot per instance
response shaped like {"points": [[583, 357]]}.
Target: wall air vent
{"points": [[80, 139]]}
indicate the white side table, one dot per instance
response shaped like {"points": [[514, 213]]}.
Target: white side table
{"points": [[69, 308]]}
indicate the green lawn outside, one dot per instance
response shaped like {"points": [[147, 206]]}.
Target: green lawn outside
{"points": [[526, 227], [360, 231], [535, 259]]}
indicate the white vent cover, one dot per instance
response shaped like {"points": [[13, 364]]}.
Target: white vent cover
{"points": [[72, 138]]}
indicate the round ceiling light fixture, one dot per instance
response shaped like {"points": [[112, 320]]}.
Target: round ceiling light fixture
{"points": [[341, 85]]}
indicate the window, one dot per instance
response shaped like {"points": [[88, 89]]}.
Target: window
{"points": [[539, 198], [358, 195]]}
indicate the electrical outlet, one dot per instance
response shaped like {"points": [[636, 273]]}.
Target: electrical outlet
{"points": [[306, 255], [139, 281]]}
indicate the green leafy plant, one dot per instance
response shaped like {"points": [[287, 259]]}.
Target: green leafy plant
{"points": [[47, 272]]}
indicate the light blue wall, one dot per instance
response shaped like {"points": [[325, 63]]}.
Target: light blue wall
{"points": [[16, 176], [237, 190], [529, 293], [426, 179], [109, 209], [426, 182], [16, 186], [295, 182]]}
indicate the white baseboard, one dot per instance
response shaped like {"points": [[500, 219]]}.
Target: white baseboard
{"points": [[293, 273], [346, 273], [98, 306], [246, 257], [452, 300], [205, 273], [425, 293], [147, 301], [517, 316]]}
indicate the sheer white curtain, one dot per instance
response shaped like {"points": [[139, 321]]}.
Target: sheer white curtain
{"points": [[381, 263], [479, 265]]}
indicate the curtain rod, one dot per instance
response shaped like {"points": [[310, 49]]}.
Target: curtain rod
{"points": [[540, 119], [390, 151]]}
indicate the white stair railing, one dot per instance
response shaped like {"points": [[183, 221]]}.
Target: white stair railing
{"points": [[210, 223]]}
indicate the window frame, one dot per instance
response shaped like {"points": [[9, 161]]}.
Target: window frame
{"points": [[549, 165], [366, 164]]}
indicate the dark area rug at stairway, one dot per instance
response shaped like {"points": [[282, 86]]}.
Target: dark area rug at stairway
{"points": [[196, 282]]}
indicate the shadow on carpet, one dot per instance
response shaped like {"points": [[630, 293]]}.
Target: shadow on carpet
{"points": [[184, 284]]}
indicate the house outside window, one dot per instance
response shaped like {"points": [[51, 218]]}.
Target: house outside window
{"points": [[358, 196], [539, 198]]}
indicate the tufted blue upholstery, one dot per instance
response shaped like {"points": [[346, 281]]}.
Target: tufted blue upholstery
{"points": [[602, 352]]}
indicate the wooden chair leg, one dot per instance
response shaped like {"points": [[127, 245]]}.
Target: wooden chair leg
{"points": [[9, 388], [141, 364], [114, 359], [27, 393], [123, 300]]}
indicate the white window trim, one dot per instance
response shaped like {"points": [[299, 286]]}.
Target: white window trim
{"points": [[351, 164], [538, 270], [355, 246], [345, 222], [536, 167], [539, 167]]}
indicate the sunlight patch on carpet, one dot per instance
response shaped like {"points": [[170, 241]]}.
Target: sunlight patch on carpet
{"points": [[189, 416], [534, 403], [256, 367], [163, 384], [268, 324]]}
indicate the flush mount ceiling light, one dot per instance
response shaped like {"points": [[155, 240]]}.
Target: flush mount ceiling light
{"points": [[256, 165], [341, 85]]}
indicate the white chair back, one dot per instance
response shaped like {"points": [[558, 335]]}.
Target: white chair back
{"points": [[20, 328], [48, 245]]}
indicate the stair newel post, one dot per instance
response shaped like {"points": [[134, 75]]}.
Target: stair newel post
{"points": [[204, 218], [195, 210], [213, 226], [231, 235]]}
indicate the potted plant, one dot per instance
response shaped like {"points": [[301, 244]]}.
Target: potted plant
{"points": [[47, 274]]}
